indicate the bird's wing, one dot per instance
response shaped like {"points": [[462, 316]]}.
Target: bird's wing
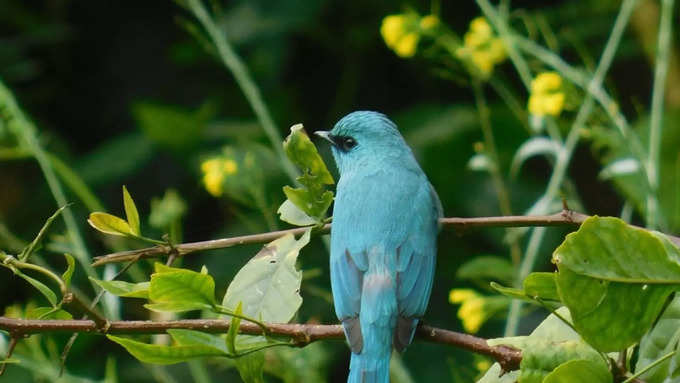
{"points": [[416, 263], [347, 281]]}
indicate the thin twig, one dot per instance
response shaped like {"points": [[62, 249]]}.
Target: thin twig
{"points": [[10, 349], [565, 218], [300, 334]]}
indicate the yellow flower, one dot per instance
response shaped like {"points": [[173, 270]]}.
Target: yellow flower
{"points": [[215, 170], [392, 29], [402, 32], [429, 22], [481, 49], [461, 295], [547, 95], [471, 311], [483, 365]]}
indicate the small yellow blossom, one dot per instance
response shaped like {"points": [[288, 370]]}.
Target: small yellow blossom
{"points": [[471, 311], [402, 32], [461, 295], [481, 49], [215, 171], [547, 95], [483, 365], [429, 22], [392, 29]]}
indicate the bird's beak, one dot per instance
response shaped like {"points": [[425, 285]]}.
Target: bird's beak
{"points": [[326, 135]]}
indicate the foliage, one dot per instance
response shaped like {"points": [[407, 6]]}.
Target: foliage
{"points": [[508, 110]]}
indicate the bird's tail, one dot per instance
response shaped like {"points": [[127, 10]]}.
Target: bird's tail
{"points": [[369, 368]]}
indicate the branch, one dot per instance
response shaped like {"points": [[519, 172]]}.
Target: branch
{"points": [[301, 334], [564, 218]]}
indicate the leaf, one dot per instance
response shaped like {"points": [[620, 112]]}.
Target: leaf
{"points": [[312, 198], [44, 290], [289, 212], [269, 284], [183, 337], [620, 167], [541, 285], [250, 367], [131, 212], [607, 248], [550, 345], [314, 204], [535, 285], [487, 267], [233, 329], [167, 210], [181, 290], [124, 289], [28, 250], [540, 358], [307, 364], [161, 354], [71, 266], [533, 147], [300, 149], [661, 340], [579, 371], [109, 224], [609, 315], [48, 313]]}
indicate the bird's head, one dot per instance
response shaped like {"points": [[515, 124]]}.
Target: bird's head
{"points": [[364, 138]]}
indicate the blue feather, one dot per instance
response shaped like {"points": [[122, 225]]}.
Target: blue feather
{"points": [[383, 241]]}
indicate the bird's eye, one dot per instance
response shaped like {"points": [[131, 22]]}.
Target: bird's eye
{"points": [[348, 143]]}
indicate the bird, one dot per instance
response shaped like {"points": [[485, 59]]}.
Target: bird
{"points": [[383, 241]]}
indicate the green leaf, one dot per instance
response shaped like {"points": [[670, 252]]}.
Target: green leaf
{"points": [[300, 149], [131, 212], [487, 267], [269, 284], [579, 371], [124, 289], [167, 210], [551, 344], [661, 340], [233, 329], [28, 250], [250, 367], [66, 277], [313, 203], [48, 313], [541, 285], [607, 248], [536, 285], [161, 354], [312, 198], [540, 358], [181, 290], [184, 337], [609, 315], [109, 224], [307, 364], [44, 290], [289, 212]]}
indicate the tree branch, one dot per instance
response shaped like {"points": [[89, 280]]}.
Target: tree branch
{"points": [[301, 334], [564, 218]]}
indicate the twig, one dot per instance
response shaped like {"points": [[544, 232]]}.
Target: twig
{"points": [[10, 349], [301, 334], [565, 218]]}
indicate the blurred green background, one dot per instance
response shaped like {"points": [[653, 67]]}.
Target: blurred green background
{"points": [[123, 93]]}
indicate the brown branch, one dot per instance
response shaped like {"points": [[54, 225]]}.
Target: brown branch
{"points": [[564, 218], [301, 334]]}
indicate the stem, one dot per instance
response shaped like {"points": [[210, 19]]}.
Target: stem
{"points": [[301, 334], [240, 72], [25, 131], [492, 153], [656, 121], [649, 367], [564, 156]]}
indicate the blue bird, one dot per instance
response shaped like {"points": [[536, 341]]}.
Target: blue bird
{"points": [[383, 241]]}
